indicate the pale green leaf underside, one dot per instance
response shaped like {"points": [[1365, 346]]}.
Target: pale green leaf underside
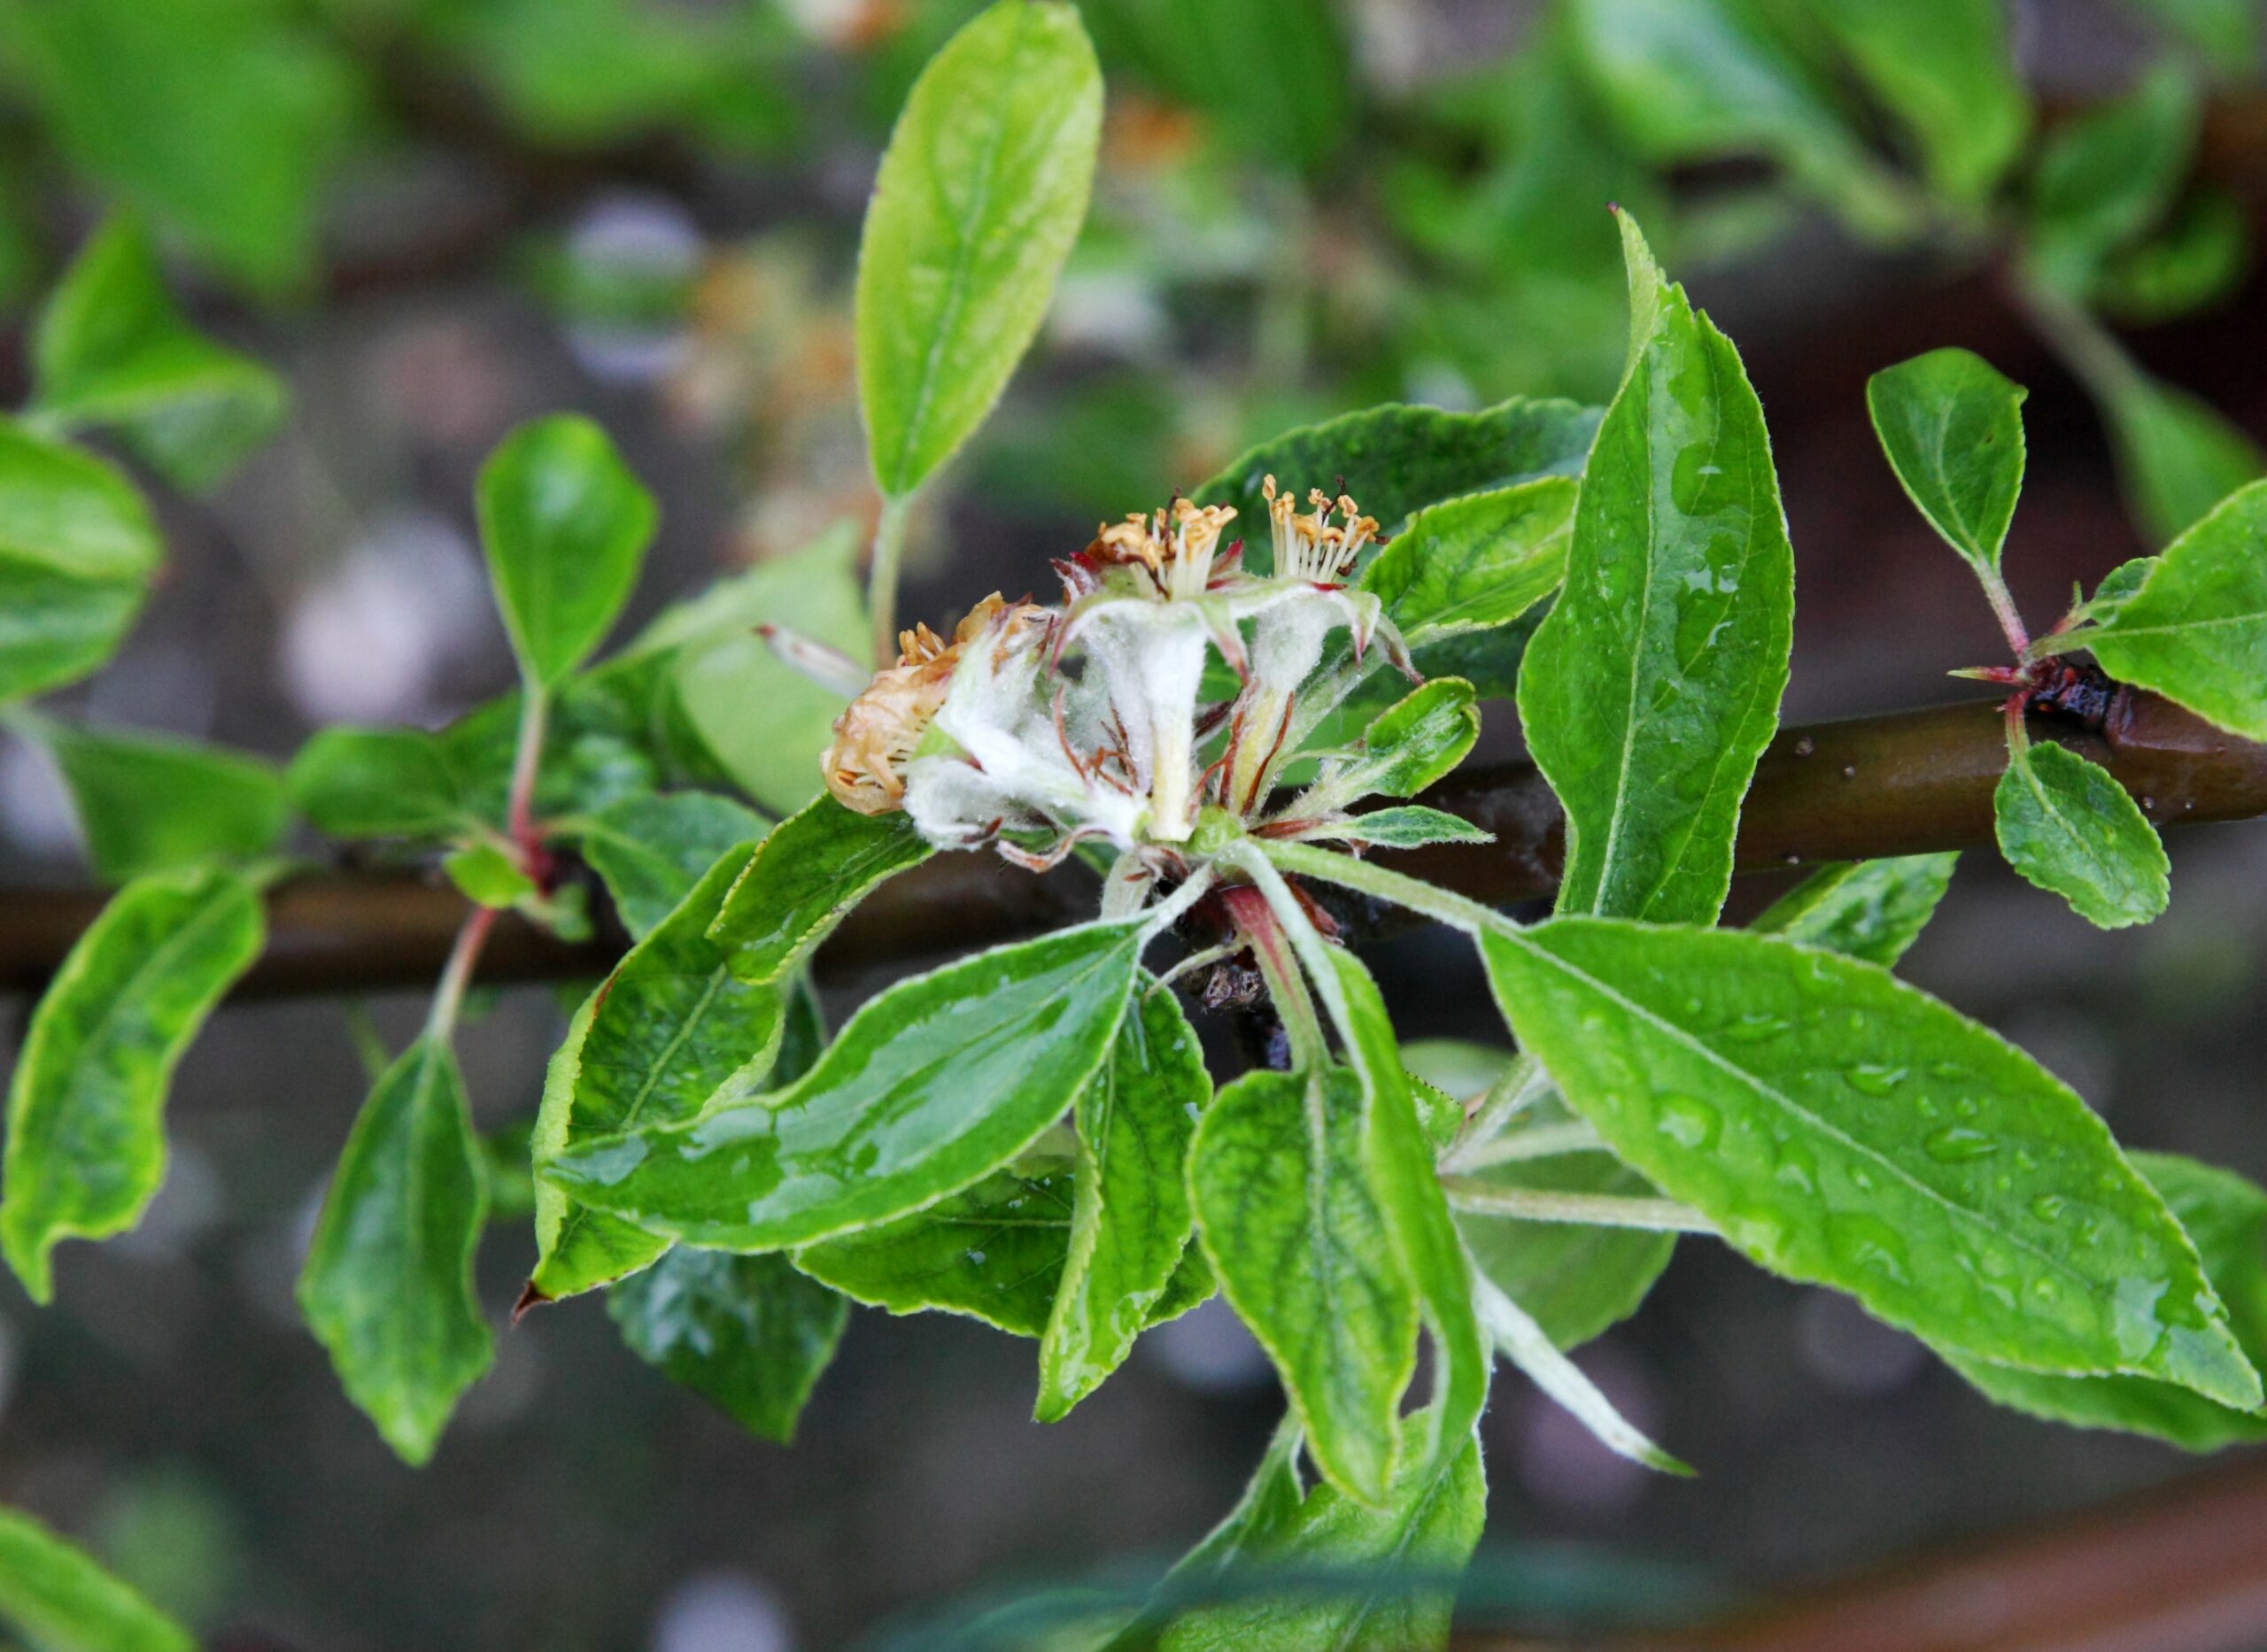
{"points": [[85, 1148]]}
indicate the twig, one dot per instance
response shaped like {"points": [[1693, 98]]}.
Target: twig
{"points": [[1902, 783]]}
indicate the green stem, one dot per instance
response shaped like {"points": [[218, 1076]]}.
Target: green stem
{"points": [[1611, 1210], [881, 574], [1543, 1141], [456, 975], [527, 757], [1455, 910]]}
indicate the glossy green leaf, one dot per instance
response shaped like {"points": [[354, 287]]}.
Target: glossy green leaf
{"points": [[387, 1287], [1407, 826], [1413, 743], [1652, 686], [993, 1251], [1947, 69], [1131, 1219], [670, 1032], [1703, 80], [2103, 178], [933, 1084], [220, 123], [150, 804], [113, 351], [981, 193], [378, 783], [1869, 909], [77, 550], [1952, 426], [2194, 627], [766, 723], [2227, 1216], [85, 1148], [749, 1333], [652, 850], [1843, 1128], [1398, 1156], [565, 525], [1294, 1230], [1475, 562], [1395, 460], [1394, 1559], [2065, 823], [54, 1594], [805, 877]]}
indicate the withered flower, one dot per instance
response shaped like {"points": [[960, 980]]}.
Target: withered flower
{"points": [[878, 731]]}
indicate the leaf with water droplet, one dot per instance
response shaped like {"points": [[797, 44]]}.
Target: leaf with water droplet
{"points": [[2227, 1216], [1653, 685], [1927, 1239], [2066, 825], [1870, 909]]}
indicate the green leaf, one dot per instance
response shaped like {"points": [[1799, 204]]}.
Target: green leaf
{"points": [[77, 550], [2227, 1216], [565, 525], [1394, 1559], [154, 805], [2177, 457], [379, 782], [993, 1251], [1525, 1343], [1869, 909], [1294, 1232], [85, 1148], [2198, 256], [2226, 31], [747, 1332], [1947, 68], [388, 1283], [2065, 823], [1704, 79], [805, 877], [1398, 1154], [1407, 826], [670, 1031], [2104, 178], [1396, 460], [1476, 562], [934, 1082], [55, 1594], [981, 193], [1576, 1280], [652, 850], [220, 123], [1652, 686], [1952, 426], [113, 351], [1413, 743], [486, 876], [766, 723], [1131, 1218], [2195, 627], [1843, 1128]]}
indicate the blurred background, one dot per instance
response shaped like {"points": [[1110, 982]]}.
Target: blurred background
{"points": [[437, 217]]}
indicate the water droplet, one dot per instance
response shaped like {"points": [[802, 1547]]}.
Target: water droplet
{"points": [[1967, 1106], [1805, 746], [976, 1256], [1689, 1121], [1755, 1027], [2046, 1207], [1874, 1078], [1958, 1144]]}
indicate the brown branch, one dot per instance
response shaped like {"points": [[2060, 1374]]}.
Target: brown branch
{"points": [[1901, 784]]}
